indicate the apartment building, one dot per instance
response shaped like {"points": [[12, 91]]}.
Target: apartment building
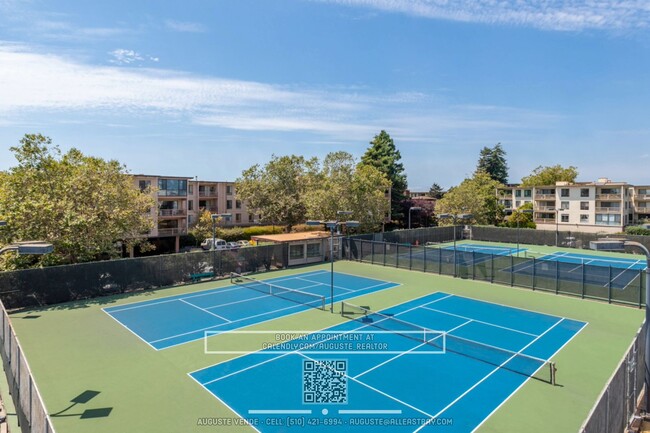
{"points": [[600, 206], [181, 200]]}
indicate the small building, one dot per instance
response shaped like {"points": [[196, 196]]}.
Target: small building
{"points": [[304, 247]]}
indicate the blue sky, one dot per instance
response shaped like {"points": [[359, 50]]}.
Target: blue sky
{"points": [[208, 88]]}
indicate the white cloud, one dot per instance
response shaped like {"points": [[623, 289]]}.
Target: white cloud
{"points": [[121, 56], [185, 27], [545, 14], [37, 84]]}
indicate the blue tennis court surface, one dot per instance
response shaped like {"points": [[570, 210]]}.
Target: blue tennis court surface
{"points": [[489, 352], [465, 254], [598, 270], [174, 320]]}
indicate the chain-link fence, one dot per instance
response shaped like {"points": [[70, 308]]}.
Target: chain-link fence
{"points": [[607, 283], [566, 239], [618, 401], [30, 409], [56, 284]]}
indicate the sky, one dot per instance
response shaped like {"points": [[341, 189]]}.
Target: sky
{"points": [[209, 88]]}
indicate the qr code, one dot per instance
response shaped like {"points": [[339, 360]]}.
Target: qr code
{"points": [[325, 381]]}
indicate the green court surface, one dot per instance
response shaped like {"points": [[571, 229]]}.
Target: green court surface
{"points": [[97, 376]]}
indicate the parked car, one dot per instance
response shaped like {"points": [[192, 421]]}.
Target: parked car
{"points": [[219, 244], [233, 245], [243, 243]]}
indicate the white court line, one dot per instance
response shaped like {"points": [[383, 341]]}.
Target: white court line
{"points": [[480, 321], [487, 376], [279, 412], [622, 272], [526, 381], [376, 390], [204, 310], [132, 331], [370, 412], [317, 283], [223, 402], [217, 290], [308, 346], [408, 351]]}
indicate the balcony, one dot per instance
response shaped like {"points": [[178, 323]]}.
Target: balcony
{"points": [[545, 220], [642, 197], [545, 208], [608, 209], [608, 196], [172, 232], [171, 212], [208, 208], [544, 196], [207, 193]]}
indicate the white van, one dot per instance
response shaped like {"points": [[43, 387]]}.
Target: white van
{"points": [[220, 244]]}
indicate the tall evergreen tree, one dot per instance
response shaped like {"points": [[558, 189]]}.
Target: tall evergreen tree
{"points": [[436, 191], [493, 162], [383, 155]]}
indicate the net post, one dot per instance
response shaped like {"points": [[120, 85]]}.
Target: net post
{"points": [[553, 371]]}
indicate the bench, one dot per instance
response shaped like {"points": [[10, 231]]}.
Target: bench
{"points": [[197, 277]]}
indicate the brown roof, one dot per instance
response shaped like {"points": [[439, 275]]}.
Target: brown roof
{"points": [[291, 237]]}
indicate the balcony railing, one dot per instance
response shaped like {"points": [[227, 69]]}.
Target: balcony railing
{"points": [[172, 232], [171, 212], [642, 197], [207, 193], [208, 208], [545, 208], [608, 196], [544, 196], [608, 209], [545, 220]]}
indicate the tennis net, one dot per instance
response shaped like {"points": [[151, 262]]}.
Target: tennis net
{"points": [[297, 296], [515, 362]]}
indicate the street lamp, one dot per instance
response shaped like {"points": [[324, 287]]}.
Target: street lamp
{"points": [[29, 247], [557, 220], [416, 208], [619, 245], [333, 225], [216, 216], [455, 219]]}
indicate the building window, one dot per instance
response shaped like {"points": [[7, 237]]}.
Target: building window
{"points": [[144, 184], [584, 192], [564, 205], [190, 205], [584, 218], [251, 217], [564, 218], [172, 187], [564, 192], [608, 219], [190, 219], [518, 203], [584, 205], [643, 191], [296, 251], [313, 250], [518, 193], [238, 204], [190, 189], [229, 189], [528, 193], [237, 217], [228, 204]]}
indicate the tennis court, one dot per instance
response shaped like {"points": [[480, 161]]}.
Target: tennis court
{"points": [[458, 360], [597, 270], [463, 253], [179, 319]]}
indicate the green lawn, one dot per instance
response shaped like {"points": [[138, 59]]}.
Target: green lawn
{"points": [[76, 347]]}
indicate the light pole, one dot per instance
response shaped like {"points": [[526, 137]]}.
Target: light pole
{"points": [[215, 217], [29, 247], [455, 218], [523, 211], [416, 208], [557, 220], [332, 225], [619, 245]]}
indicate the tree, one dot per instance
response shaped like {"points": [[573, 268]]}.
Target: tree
{"points": [[277, 190], [521, 219], [476, 196], [436, 191], [550, 175], [342, 184], [81, 204], [493, 162], [383, 155], [202, 229]]}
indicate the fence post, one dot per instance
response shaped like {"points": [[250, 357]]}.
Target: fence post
{"points": [[641, 286], [557, 277], [372, 252], [512, 273], [424, 267], [534, 271], [439, 261], [397, 256], [410, 257], [473, 264], [385, 247], [583, 280], [609, 286], [492, 269]]}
